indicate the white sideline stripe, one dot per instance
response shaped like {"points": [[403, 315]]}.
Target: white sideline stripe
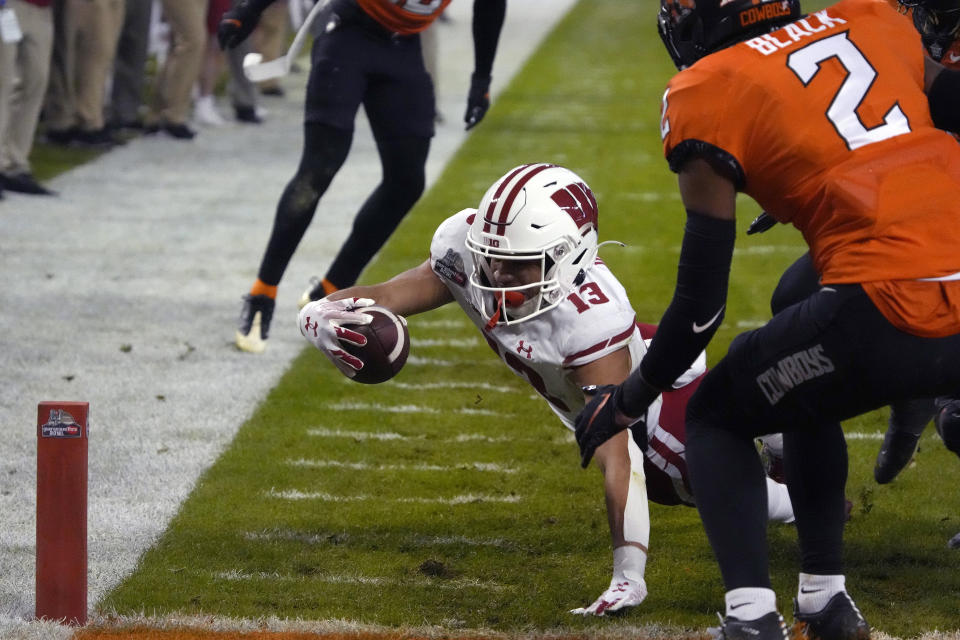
{"points": [[651, 196], [363, 466], [468, 498], [438, 583], [485, 386], [750, 324], [459, 343], [286, 535], [406, 408], [417, 361]]}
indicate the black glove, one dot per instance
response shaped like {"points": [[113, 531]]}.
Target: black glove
{"points": [[478, 100], [602, 419], [761, 223], [237, 23]]}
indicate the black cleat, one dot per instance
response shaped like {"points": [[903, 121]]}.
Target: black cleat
{"points": [[947, 422], [767, 627], [254, 324], [839, 620], [895, 454]]}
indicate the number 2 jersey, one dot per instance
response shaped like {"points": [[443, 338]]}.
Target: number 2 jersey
{"points": [[824, 123], [595, 320]]}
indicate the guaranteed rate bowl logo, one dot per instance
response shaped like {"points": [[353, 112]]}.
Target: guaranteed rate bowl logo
{"points": [[60, 424]]}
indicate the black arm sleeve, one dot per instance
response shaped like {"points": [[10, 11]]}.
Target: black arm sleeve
{"points": [[944, 99], [694, 313], [488, 18]]}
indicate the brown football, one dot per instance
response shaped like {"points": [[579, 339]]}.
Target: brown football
{"points": [[388, 344]]}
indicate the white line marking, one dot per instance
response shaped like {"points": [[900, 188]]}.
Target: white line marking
{"points": [[443, 324], [436, 583], [287, 535], [860, 435], [460, 343], [562, 437], [363, 466], [406, 408], [469, 498], [484, 386]]}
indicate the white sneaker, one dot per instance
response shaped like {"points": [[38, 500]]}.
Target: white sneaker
{"points": [[205, 112]]}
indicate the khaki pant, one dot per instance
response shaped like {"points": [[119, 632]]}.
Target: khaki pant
{"points": [[181, 69], [29, 62], [84, 50]]}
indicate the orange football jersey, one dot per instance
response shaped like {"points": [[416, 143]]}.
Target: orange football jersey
{"points": [[404, 16], [824, 123]]}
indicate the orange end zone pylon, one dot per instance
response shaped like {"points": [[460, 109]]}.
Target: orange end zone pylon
{"points": [[62, 512]]}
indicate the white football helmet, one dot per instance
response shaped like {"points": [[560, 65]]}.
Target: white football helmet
{"points": [[534, 212]]}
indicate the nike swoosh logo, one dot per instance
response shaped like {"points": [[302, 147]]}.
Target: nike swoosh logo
{"points": [[700, 328], [805, 591], [953, 57], [737, 606]]}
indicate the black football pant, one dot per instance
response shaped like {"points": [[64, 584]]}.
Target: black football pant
{"points": [[801, 280], [828, 358], [403, 160]]}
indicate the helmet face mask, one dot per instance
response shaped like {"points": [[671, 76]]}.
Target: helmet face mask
{"points": [[691, 29], [536, 213]]}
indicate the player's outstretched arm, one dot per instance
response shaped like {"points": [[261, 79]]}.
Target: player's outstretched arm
{"points": [[626, 497], [414, 291]]}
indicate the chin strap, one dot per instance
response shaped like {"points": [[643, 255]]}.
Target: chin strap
{"points": [[511, 298]]}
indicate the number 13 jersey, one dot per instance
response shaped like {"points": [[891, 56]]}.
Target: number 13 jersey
{"points": [[594, 321]]}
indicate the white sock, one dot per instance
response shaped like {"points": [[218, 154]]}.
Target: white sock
{"points": [[779, 507], [816, 590], [750, 603]]}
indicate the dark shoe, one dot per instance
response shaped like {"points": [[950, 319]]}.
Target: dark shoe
{"points": [[254, 326], [247, 114], [895, 454], [179, 131], [768, 627], [947, 422], [97, 139], [839, 620], [25, 183], [319, 288], [60, 137], [275, 91]]}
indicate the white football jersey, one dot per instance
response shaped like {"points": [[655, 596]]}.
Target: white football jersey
{"points": [[593, 321]]}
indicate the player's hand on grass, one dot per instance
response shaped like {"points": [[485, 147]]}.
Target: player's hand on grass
{"points": [[623, 592], [321, 324]]}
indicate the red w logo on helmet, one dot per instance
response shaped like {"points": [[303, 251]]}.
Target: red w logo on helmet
{"points": [[578, 201]]}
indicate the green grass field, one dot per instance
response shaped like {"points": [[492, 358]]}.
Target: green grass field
{"points": [[451, 496]]}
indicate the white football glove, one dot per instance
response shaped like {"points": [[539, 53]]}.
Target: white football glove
{"points": [[320, 323], [623, 592]]}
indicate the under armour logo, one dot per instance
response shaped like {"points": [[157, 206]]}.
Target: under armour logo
{"points": [[526, 350], [311, 326]]}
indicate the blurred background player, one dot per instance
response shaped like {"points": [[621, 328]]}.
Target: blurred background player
{"points": [[524, 269], [878, 202], [367, 51]]}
